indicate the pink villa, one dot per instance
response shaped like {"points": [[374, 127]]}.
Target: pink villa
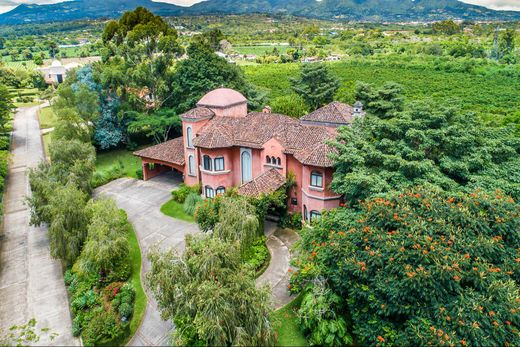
{"points": [[224, 146]]}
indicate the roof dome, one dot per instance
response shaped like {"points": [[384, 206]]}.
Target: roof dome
{"points": [[56, 63], [221, 98]]}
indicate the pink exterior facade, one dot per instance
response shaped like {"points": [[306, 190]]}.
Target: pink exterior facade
{"points": [[218, 166]]}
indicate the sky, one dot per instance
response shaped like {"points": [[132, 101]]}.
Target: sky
{"points": [[6, 5]]}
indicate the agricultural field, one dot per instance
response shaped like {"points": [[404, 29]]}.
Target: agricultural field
{"points": [[481, 87]]}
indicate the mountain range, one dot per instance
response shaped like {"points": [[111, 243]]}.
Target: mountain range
{"points": [[355, 10]]}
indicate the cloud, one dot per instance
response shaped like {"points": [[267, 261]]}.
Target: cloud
{"points": [[497, 4]]}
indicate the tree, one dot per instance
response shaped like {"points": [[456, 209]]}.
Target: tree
{"points": [[383, 102], [68, 226], [210, 296], [25, 334], [6, 106], [211, 38], [106, 245], [291, 105], [201, 73], [426, 144], [507, 42], [148, 47], [157, 125], [422, 267], [446, 27], [316, 85], [237, 222]]}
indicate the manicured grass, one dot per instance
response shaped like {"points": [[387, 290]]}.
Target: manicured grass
{"points": [[140, 296], [47, 118], [119, 159], [175, 210], [47, 140], [286, 325]]}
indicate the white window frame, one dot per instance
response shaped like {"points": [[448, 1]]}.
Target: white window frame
{"points": [[191, 165], [246, 176], [319, 179], [220, 191], [209, 162], [218, 168], [314, 216], [189, 136], [209, 192]]}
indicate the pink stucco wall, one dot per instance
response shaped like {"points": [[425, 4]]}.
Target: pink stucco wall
{"points": [[234, 111], [196, 128], [218, 179], [273, 149]]}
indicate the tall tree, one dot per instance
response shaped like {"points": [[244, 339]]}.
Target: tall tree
{"points": [[6, 106], [201, 73], [383, 102], [210, 296], [157, 125], [106, 245], [148, 47], [68, 227], [316, 85], [426, 144], [421, 267]]}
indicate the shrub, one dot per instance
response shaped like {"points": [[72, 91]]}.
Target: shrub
{"points": [[191, 203], [179, 195], [76, 326], [319, 320], [206, 213], [139, 173], [291, 221], [103, 325], [125, 310], [257, 254]]}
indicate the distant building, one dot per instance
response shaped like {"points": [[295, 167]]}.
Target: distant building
{"points": [[57, 72]]}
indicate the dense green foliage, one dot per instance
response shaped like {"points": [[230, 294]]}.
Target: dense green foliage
{"points": [[422, 267], [316, 85], [424, 145], [210, 295]]}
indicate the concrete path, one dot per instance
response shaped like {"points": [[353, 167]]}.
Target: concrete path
{"points": [[279, 243], [31, 282], [142, 201]]}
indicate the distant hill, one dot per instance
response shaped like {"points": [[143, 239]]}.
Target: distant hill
{"points": [[358, 10]]}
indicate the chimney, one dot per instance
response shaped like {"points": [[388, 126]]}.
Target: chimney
{"points": [[267, 109], [358, 109]]}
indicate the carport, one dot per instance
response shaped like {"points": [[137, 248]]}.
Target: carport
{"points": [[162, 158]]}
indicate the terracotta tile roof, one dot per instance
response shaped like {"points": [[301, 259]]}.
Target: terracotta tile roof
{"points": [[334, 113], [265, 183], [254, 130], [316, 156], [170, 151], [198, 113], [222, 97]]}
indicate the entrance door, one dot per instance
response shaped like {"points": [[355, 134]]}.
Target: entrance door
{"points": [[59, 78]]}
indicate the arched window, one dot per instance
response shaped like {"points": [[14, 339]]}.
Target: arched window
{"points": [[273, 160], [191, 165], [207, 163], [219, 164], [305, 213], [278, 161], [221, 190], [315, 216], [246, 165], [209, 192], [317, 179], [189, 136], [268, 159]]}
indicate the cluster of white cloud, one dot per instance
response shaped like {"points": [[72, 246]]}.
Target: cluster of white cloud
{"points": [[6, 5]]}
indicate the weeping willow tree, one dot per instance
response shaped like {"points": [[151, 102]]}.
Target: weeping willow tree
{"points": [[210, 296], [107, 243], [237, 223]]}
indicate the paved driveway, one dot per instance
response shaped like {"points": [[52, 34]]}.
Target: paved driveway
{"points": [[141, 201], [31, 282]]}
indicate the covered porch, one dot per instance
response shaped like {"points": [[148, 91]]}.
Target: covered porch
{"points": [[167, 157]]}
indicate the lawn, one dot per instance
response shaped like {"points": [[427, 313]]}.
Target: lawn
{"points": [[260, 50], [140, 296], [47, 118], [175, 210], [286, 325], [47, 139], [111, 165]]}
